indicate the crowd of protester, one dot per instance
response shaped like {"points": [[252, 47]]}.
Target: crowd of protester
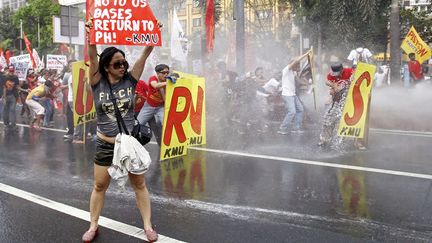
{"points": [[38, 96], [37, 99], [284, 98]]}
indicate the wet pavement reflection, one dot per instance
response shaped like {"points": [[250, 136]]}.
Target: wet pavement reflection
{"points": [[258, 190]]}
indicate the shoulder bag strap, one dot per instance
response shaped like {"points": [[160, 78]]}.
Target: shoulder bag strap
{"points": [[120, 121]]}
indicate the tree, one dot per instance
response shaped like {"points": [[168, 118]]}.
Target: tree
{"points": [[8, 31], [38, 11], [344, 24], [395, 41], [422, 22]]}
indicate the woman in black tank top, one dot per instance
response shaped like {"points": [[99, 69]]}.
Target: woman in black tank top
{"points": [[112, 67]]}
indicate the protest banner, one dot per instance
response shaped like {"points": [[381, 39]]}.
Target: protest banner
{"points": [[21, 64], [306, 77], [123, 22], [413, 43], [57, 62], [184, 119], [83, 104], [354, 116]]}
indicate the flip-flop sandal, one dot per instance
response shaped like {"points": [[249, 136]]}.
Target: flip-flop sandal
{"points": [[151, 235], [90, 235], [361, 147]]}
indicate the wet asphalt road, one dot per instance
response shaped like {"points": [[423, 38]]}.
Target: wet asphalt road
{"points": [[249, 188]]}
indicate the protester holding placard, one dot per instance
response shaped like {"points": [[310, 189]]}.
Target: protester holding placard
{"points": [[294, 106], [141, 93], [109, 75], [154, 106], [339, 80]]}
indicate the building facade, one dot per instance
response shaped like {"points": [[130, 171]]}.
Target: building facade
{"points": [[418, 5], [12, 4], [264, 16]]}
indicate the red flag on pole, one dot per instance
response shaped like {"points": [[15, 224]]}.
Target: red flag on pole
{"points": [[29, 50], [8, 54], [210, 24]]}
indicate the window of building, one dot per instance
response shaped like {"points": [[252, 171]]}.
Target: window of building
{"points": [[265, 14], [183, 24], [180, 6], [196, 3], [196, 22]]}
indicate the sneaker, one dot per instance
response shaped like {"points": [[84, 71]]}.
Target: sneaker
{"points": [[321, 143], [68, 136], [78, 141], [297, 131], [361, 147], [282, 132], [37, 128]]}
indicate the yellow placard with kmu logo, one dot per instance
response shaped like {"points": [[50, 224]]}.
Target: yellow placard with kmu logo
{"points": [[353, 120]]}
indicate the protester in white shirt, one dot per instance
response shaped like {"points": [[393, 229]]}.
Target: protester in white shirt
{"points": [[360, 54], [295, 109]]}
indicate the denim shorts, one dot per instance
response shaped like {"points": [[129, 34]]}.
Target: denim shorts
{"points": [[104, 153]]}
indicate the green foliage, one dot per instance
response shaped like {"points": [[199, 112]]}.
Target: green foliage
{"points": [[421, 22], [42, 12], [8, 31], [344, 24]]}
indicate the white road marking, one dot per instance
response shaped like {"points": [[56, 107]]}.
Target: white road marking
{"points": [[372, 130], [311, 162], [81, 214], [401, 132]]}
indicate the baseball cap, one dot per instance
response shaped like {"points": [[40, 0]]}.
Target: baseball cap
{"points": [[336, 69]]}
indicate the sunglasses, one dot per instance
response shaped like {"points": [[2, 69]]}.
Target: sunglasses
{"points": [[119, 64], [164, 72]]}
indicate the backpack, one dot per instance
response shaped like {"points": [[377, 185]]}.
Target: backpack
{"points": [[360, 57]]}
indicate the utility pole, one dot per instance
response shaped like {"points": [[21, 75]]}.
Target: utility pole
{"points": [[21, 37], [240, 35], [395, 42], [38, 33]]}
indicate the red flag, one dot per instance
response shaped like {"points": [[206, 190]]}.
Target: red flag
{"points": [[29, 50], [210, 24], [8, 54]]}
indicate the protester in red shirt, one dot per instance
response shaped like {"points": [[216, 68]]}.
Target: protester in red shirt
{"points": [[154, 105], [415, 69], [338, 80], [141, 92], [140, 95], [156, 89]]}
